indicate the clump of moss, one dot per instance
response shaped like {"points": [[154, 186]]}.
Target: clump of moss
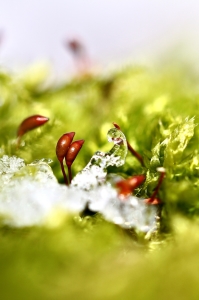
{"points": [[86, 257]]}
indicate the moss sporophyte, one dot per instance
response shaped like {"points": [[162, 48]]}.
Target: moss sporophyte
{"points": [[93, 188], [61, 150], [67, 149], [30, 123], [118, 212]]}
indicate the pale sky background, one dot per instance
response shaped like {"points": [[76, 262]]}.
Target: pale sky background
{"points": [[114, 31]]}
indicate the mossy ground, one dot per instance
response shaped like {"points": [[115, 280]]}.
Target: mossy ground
{"points": [[88, 258]]}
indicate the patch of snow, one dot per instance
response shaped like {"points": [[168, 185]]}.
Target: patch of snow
{"points": [[30, 193]]}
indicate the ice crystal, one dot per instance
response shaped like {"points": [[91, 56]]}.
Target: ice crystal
{"points": [[30, 193], [130, 213], [8, 167], [29, 202], [96, 170], [33, 193]]}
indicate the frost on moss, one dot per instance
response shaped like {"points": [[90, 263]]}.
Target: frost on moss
{"points": [[30, 193], [87, 257]]}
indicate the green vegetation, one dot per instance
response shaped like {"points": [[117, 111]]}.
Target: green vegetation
{"points": [[86, 257]]}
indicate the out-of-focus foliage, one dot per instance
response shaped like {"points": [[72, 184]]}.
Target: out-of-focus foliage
{"points": [[87, 258]]}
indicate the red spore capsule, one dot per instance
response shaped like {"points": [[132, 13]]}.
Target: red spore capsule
{"points": [[30, 123], [154, 201], [62, 148], [116, 126], [73, 151], [75, 46], [63, 145], [127, 186]]}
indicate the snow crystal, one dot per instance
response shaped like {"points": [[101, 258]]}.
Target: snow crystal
{"points": [[8, 167], [96, 170], [130, 213], [30, 193], [33, 193], [30, 202]]}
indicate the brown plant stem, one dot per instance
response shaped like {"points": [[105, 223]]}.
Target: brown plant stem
{"points": [[69, 173], [130, 148], [63, 172], [162, 175], [136, 154]]}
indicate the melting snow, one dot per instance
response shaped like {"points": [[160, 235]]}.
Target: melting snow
{"points": [[30, 193]]}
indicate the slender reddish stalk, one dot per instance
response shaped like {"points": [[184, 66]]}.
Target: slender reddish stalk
{"points": [[162, 175], [64, 173], [130, 148], [153, 199], [69, 173], [136, 154]]}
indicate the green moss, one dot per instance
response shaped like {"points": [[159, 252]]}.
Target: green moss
{"points": [[88, 258]]}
